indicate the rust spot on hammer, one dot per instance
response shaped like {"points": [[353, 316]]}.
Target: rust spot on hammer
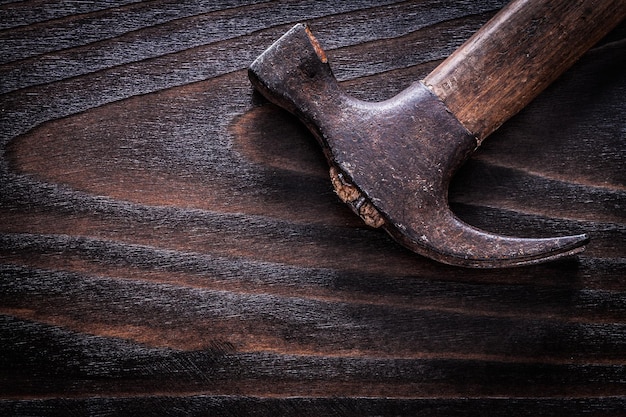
{"points": [[350, 194], [316, 46]]}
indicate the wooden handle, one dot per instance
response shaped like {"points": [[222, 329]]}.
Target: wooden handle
{"points": [[517, 54]]}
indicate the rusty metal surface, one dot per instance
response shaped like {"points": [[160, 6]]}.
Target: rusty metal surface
{"points": [[400, 154]]}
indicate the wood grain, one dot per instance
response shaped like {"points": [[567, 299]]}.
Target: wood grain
{"points": [[516, 55], [170, 243]]}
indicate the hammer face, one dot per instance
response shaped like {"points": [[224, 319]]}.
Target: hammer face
{"points": [[294, 74], [397, 157]]}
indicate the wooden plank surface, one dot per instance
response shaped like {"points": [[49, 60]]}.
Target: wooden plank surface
{"points": [[170, 243]]}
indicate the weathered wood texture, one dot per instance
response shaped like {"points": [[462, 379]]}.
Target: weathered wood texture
{"points": [[170, 243], [516, 55]]}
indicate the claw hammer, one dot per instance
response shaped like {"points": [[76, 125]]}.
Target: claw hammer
{"points": [[392, 161]]}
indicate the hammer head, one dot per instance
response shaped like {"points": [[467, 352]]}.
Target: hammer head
{"points": [[392, 161]]}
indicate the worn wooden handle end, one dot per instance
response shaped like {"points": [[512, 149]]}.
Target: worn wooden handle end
{"points": [[516, 55]]}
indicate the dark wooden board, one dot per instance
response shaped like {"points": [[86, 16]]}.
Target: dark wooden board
{"points": [[170, 243]]}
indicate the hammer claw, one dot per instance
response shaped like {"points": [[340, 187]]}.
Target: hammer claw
{"points": [[449, 240]]}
